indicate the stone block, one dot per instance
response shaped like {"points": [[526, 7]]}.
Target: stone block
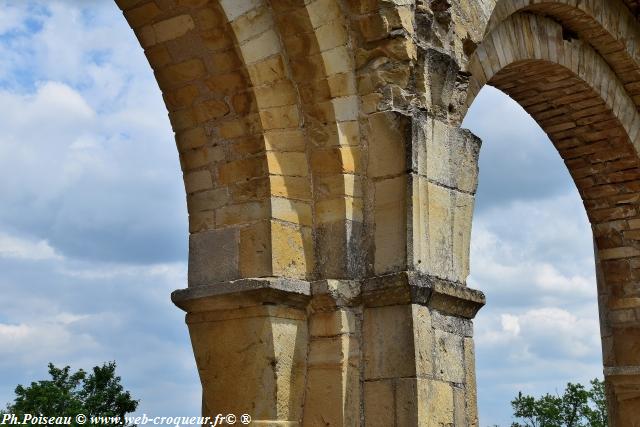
{"points": [[261, 367], [438, 406], [449, 357], [292, 250], [291, 187], [331, 35], [209, 18], [182, 72], [197, 181], [235, 8], [388, 140], [293, 211], [182, 97], [243, 103], [142, 15], [228, 83], [379, 403], [342, 84], [337, 60], [471, 398], [240, 170], [626, 345], [208, 200], [440, 223], [284, 140], [173, 28], [328, 186], [242, 213], [277, 94], [285, 117], [390, 235], [225, 61], [424, 340], [338, 247], [210, 110], [462, 219], [216, 39], [260, 47], [213, 257], [255, 190], [324, 403], [333, 351], [268, 70], [252, 23], [338, 210], [328, 324], [200, 157], [201, 221], [406, 402], [255, 250], [336, 160], [192, 138], [288, 163], [389, 349]]}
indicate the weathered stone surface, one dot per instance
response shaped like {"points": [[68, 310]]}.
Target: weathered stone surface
{"points": [[213, 257], [241, 293], [269, 348], [415, 288]]}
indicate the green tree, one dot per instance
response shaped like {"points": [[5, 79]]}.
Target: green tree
{"points": [[576, 407], [67, 394]]}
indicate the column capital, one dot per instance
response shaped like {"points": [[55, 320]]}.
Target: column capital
{"points": [[408, 287], [243, 293]]}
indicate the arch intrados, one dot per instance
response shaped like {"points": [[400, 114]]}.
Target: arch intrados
{"points": [[527, 37], [608, 26], [577, 100]]}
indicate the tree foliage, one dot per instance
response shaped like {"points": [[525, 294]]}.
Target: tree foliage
{"points": [[578, 406], [68, 394]]}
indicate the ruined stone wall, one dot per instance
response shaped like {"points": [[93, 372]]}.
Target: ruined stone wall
{"points": [[330, 190]]}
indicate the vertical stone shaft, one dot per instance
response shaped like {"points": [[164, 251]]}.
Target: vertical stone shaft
{"points": [[620, 337]]}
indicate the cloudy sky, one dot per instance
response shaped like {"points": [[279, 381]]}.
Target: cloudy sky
{"points": [[93, 225]]}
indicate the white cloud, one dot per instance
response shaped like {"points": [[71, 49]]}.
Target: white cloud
{"points": [[510, 324], [41, 341], [18, 248]]}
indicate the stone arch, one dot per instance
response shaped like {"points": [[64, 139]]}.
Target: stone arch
{"points": [[262, 91], [262, 97], [610, 28], [581, 102]]}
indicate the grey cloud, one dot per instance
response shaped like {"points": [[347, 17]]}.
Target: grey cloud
{"points": [[517, 161]]}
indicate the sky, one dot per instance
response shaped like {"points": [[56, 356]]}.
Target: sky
{"points": [[93, 225]]}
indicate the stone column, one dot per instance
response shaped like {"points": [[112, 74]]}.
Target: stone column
{"points": [[250, 342], [620, 334], [333, 389], [418, 351]]}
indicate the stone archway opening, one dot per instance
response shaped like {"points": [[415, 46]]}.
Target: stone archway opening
{"points": [[577, 98], [532, 254]]}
